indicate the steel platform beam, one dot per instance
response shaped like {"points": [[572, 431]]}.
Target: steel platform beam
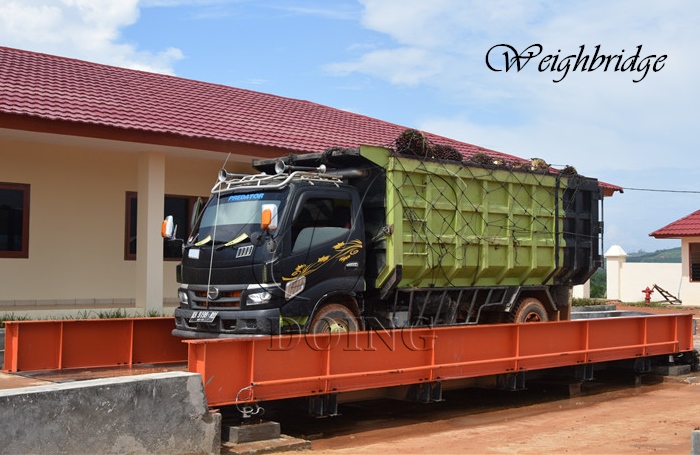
{"points": [[263, 368], [90, 343]]}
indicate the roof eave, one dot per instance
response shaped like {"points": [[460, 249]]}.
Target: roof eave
{"points": [[98, 131]]}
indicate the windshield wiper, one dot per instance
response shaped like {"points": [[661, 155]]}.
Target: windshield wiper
{"points": [[204, 241], [233, 242], [221, 243]]}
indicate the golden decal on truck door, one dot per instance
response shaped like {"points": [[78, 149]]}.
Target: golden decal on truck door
{"points": [[343, 252]]}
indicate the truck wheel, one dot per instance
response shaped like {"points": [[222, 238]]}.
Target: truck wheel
{"points": [[529, 310], [333, 318]]}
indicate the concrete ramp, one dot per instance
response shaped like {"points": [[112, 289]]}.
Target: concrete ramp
{"points": [[151, 413]]}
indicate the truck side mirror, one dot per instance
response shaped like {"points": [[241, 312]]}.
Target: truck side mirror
{"points": [[168, 229], [268, 218]]}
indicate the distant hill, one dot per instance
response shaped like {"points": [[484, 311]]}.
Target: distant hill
{"points": [[670, 255]]}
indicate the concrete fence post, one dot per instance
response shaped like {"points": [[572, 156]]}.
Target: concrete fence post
{"points": [[615, 258]]}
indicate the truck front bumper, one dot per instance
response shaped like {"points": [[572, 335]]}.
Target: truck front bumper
{"points": [[227, 323]]}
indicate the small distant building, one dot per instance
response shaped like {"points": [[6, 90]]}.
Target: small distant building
{"points": [[626, 281], [688, 230]]}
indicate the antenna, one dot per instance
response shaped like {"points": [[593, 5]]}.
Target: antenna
{"points": [[222, 172]]}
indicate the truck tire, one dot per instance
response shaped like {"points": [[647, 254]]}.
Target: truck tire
{"points": [[529, 310], [333, 318]]}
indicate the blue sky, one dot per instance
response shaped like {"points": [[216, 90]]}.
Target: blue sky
{"points": [[423, 65]]}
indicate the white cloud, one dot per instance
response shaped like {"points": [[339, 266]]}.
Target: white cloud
{"points": [[602, 118], [176, 3], [447, 25], [405, 66], [323, 9], [83, 29]]}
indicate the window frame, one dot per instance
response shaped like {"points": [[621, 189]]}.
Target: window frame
{"points": [[694, 276], [25, 188], [133, 195]]}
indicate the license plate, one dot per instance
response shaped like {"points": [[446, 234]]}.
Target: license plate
{"points": [[203, 316]]}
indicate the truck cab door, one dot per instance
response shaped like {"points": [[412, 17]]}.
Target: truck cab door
{"points": [[324, 251]]}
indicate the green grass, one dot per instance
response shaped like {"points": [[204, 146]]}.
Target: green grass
{"points": [[643, 304], [116, 313], [12, 317], [112, 314], [588, 302]]}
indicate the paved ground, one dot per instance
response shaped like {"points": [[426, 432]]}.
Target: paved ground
{"points": [[13, 381]]}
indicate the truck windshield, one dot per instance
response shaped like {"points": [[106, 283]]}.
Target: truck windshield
{"points": [[231, 215]]}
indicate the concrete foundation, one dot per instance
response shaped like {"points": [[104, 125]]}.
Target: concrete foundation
{"points": [[672, 370], [250, 433], [151, 413], [282, 444]]}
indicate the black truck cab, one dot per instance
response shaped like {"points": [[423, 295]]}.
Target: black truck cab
{"points": [[264, 258]]}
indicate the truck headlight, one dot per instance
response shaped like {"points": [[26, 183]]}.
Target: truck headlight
{"points": [[184, 298], [258, 298]]}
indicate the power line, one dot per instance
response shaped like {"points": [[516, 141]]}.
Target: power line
{"points": [[662, 191]]}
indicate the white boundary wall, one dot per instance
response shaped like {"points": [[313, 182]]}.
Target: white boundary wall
{"points": [[582, 291], [626, 281]]}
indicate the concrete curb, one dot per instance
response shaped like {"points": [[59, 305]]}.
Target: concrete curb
{"points": [[151, 413], [695, 442]]}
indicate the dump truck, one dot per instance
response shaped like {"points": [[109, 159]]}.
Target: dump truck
{"points": [[370, 238]]}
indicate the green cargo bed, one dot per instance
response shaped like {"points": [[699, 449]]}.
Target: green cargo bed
{"points": [[455, 224]]}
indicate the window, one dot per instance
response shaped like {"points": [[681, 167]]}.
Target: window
{"points": [[14, 220], [320, 220], [180, 207], [694, 261]]}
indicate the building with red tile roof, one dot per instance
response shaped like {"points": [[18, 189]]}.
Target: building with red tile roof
{"points": [[688, 226], [123, 104], [92, 155], [688, 230], [670, 282]]}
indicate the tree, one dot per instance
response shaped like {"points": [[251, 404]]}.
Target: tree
{"points": [[598, 284]]}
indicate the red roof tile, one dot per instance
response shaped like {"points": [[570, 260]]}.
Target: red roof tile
{"points": [[48, 87], [687, 226], [58, 88]]}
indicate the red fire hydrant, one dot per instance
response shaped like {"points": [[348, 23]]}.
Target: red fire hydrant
{"points": [[647, 295]]}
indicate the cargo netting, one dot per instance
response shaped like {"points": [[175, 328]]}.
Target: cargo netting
{"points": [[479, 220]]}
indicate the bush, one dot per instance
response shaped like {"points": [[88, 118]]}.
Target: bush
{"points": [[599, 284]]}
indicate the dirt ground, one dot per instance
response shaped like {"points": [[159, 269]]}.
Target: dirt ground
{"points": [[647, 419], [657, 418]]}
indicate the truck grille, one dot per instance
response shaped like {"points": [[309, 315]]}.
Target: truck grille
{"points": [[225, 299]]}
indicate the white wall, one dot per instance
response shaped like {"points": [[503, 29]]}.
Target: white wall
{"points": [[582, 291], [625, 281]]}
